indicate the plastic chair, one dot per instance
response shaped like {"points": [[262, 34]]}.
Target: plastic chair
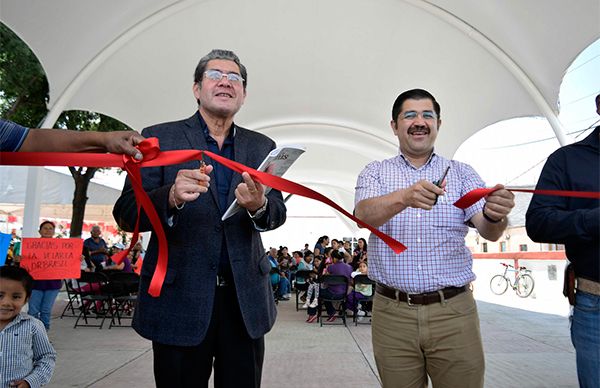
{"points": [[330, 280]]}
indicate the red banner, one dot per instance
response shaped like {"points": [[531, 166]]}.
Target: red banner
{"points": [[52, 258]]}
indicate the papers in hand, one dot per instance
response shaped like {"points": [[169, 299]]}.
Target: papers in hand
{"points": [[276, 163]]}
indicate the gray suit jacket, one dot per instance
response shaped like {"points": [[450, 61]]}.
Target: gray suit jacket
{"points": [[182, 313]]}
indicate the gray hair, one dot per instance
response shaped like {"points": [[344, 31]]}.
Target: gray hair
{"points": [[219, 54]]}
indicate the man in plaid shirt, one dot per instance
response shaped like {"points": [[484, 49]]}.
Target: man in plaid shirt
{"points": [[425, 319]]}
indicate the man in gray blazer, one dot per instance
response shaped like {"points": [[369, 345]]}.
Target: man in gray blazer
{"points": [[216, 302]]}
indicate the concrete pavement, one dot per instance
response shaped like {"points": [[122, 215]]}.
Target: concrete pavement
{"points": [[523, 348]]}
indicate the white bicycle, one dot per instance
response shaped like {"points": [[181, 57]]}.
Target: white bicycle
{"points": [[523, 285]]}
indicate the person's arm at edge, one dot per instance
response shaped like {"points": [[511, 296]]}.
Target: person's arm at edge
{"points": [[548, 218], [62, 140]]}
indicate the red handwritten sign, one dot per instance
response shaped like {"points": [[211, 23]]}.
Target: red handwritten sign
{"points": [[52, 258], [138, 266]]}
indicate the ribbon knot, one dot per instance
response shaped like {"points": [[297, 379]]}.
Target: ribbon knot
{"points": [[149, 148]]}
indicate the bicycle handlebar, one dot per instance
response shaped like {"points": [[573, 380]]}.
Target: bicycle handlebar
{"points": [[510, 266]]}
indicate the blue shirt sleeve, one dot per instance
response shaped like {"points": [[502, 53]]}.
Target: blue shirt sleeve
{"points": [[12, 135]]}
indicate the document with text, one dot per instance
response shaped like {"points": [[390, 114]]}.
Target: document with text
{"points": [[276, 163]]}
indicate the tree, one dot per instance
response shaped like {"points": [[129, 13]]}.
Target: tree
{"points": [[23, 98], [23, 82], [85, 121]]}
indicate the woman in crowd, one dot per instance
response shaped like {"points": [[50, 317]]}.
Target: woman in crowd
{"points": [[360, 253], [320, 245], [125, 264], [44, 292]]}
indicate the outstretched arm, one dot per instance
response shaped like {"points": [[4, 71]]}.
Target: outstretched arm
{"points": [[60, 140]]}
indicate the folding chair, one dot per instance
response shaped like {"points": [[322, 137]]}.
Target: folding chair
{"points": [[327, 281], [366, 281], [93, 300], [123, 288], [302, 284], [74, 300]]}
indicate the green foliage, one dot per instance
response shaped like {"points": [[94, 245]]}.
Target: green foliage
{"points": [[79, 120], [23, 83], [24, 95], [24, 91]]}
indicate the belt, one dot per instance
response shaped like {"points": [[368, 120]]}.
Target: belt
{"points": [[422, 299], [588, 286]]}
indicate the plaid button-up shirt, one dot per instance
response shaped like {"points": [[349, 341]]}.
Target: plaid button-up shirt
{"points": [[437, 256], [25, 352]]}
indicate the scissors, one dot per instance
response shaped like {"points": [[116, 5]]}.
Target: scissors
{"points": [[439, 182]]}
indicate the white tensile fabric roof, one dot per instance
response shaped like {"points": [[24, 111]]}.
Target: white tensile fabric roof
{"points": [[323, 73]]}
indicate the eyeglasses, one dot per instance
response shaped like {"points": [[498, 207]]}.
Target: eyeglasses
{"points": [[425, 115], [217, 75]]}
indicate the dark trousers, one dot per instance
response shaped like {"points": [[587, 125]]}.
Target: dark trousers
{"points": [[238, 359]]}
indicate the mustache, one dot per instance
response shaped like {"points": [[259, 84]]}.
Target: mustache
{"points": [[419, 128]]}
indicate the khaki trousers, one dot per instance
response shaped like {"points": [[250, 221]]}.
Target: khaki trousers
{"points": [[441, 340]]}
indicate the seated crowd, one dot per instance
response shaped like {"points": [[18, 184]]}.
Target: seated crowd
{"points": [[329, 257], [339, 258]]}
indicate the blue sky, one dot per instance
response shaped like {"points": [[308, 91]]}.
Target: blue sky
{"points": [[521, 146]]}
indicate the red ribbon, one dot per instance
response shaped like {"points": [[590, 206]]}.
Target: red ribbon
{"points": [[152, 158], [475, 195]]}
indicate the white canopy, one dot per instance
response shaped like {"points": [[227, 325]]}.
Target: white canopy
{"points": [[323, 73]]}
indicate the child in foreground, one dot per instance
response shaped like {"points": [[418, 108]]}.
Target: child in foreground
{"points": [[28, 358]]}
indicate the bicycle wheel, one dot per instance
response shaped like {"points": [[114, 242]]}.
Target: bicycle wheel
{"points": [[524, 285], [498, 284]]}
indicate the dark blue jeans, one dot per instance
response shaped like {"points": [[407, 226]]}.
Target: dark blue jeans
{"points": [[585, 335]]}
